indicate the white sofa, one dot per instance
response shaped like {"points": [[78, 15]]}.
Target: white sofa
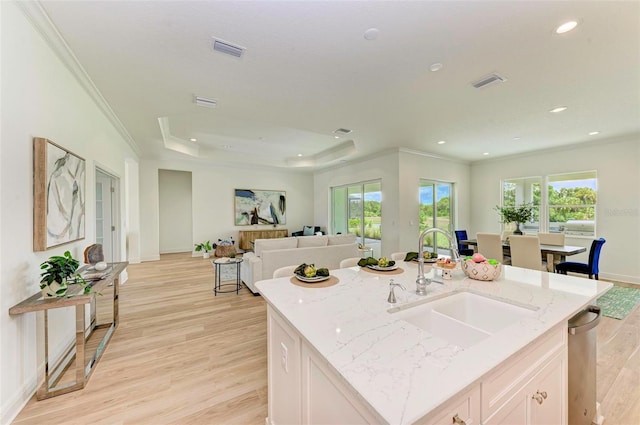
{"points": [[271, 254]]}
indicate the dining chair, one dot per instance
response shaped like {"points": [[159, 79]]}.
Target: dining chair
{"points": [[463, 249], [551, 238], [398, 256], [590, 268], [490, 245], [349, 262], [525, 252], [284, 271]]}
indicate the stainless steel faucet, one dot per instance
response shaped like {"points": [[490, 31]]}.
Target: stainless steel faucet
{"points": [[421, 281], [392, 295]]}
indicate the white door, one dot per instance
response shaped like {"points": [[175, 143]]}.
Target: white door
{"points": [[107, 215]]}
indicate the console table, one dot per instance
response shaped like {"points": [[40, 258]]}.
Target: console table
{"points": [[83, 365], [248, 236]]}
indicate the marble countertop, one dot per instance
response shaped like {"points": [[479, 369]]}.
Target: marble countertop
{"points": [[401, 370]]}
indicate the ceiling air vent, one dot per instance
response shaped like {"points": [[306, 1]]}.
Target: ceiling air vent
{"points": [[228, 48], [203, 101], [342, 131], [489, 80]]}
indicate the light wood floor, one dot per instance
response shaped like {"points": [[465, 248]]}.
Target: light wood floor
{"points": [[182, 356]]}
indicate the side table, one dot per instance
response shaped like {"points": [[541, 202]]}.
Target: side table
{"points": [[79, 363], [217, 284]]}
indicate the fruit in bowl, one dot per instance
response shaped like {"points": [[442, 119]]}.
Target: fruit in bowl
{"points": [[446, 263], [480, 268]]}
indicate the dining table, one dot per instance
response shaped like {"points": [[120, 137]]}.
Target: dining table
{"points": [[553, 253]]}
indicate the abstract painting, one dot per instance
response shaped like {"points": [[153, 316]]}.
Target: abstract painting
{"points": [[58, 195], [260, 207]]}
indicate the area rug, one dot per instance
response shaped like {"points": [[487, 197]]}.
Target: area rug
{"points": [[619, 301]]}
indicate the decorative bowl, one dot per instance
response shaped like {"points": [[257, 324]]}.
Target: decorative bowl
{"points": [[481, 271]]}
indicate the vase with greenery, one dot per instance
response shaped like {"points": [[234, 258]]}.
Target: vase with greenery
{"points": [[205, 247], [55, 275], [522, 213]]}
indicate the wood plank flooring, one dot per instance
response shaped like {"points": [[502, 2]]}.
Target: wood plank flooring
{"points": [[182, 356]]}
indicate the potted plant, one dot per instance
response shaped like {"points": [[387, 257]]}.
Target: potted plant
{"points": [[205, 247], [519, 214], [55, 274]]}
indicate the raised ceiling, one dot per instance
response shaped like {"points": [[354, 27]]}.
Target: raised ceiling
{"points": [[307, 70]]}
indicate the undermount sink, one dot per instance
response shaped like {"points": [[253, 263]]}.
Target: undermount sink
{"points": [[463, 318]]}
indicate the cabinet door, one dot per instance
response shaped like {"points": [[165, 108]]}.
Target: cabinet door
{"points": [[464, 409], [326, 399], [511, 413], [284, 371], [546, 396]]}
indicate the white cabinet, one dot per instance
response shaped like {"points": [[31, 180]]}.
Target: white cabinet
{"points": [[463, 409], [283, 353], [326, 399], [529, 388]]}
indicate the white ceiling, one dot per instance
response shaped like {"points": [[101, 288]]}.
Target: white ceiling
{"points": [[308, 70]]}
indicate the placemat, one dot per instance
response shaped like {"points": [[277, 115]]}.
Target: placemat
{"points": [[324, 284], [399, 270]]}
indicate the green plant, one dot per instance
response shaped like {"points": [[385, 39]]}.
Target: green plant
{"points": [[60, 267], [204, 246], [520, 214]]}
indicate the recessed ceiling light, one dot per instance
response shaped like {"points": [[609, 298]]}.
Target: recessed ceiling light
{"points": [[336, 137], [593, 133], [299, 154], [558, 109], [516, 138], [566, 27], [435, 67], [442, 142], [193, 139], [485, 153], [371, 33]]}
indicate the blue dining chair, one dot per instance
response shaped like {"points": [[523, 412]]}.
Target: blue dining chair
{"points": [[461, 235], [591, 268]]}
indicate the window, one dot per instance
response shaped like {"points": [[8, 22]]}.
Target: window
{"points": [[357, 209], [572, 203], [436, 210], [522, 191], [568, 205]]}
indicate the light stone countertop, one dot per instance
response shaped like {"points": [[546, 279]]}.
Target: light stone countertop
{"points": [[402, 371]]}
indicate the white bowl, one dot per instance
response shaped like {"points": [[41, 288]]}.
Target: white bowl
{"points": [[481, 271], [100, 266]]}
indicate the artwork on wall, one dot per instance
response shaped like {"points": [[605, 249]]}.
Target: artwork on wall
{"points": [[58, 195], [260, 207]]}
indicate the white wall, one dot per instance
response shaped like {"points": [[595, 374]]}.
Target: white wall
{"points": [[40, 98], [175, 211], [213, 199], [618, 210], [400, 172]]}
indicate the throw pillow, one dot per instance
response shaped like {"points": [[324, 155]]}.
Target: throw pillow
{"points": [[307, 231]]}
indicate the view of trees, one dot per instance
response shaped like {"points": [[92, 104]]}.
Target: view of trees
{"points": [[567, 203], [372, 220]]}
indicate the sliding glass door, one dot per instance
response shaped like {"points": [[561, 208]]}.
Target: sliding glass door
{"points": [[357, 209], [436, 210]]}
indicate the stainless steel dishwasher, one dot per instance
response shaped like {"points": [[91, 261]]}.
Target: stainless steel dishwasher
{"points": [[582, 366]]}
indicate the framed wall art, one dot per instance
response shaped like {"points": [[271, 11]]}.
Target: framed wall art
{"points": [[260, 207], [58, 195]]}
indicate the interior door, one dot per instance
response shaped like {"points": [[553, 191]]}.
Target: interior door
{"points": [[107, 219]]}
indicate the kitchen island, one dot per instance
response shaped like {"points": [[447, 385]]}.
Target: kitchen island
{"points": [[343, 354]]}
